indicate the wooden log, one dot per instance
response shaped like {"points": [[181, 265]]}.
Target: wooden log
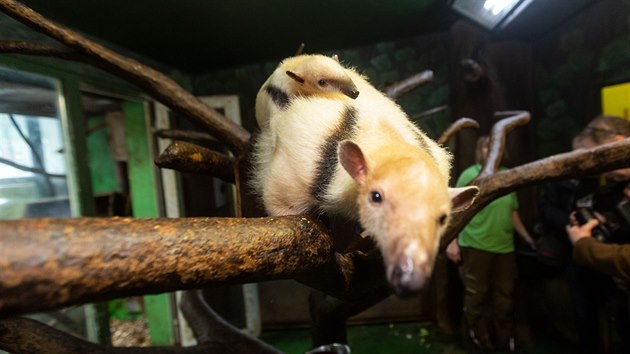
{"points": [[188, 157], [51, 263]]}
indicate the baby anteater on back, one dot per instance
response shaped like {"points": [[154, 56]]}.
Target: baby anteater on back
{"points": [[361, 158], [302, 75]]}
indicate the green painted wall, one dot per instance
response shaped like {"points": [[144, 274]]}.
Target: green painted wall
{"points": [[101, 161]]}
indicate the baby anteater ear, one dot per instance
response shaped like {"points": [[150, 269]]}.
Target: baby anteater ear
{"points": [[295, 76], [462, 197], [352, 159]]}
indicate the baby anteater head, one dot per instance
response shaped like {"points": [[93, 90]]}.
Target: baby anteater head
{"points": [[318, 75], [404, 203]]}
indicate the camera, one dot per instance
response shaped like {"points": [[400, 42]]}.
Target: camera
{"points": [[613, 212], [601, 232]]}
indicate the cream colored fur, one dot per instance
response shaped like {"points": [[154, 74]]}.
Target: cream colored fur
{"points": [[311, 68], [411, 176], [287, 153]]}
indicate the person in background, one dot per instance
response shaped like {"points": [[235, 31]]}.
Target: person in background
{"points": [[593, 263], [556, 202], [610, 258], [485, 251]]}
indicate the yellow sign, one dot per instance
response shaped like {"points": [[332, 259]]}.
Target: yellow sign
{"points": [[616, 100]]}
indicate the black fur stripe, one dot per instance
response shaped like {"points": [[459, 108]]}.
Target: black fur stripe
{"points": [[328, 159], [420, 138], [422, 143], [278, 96]]}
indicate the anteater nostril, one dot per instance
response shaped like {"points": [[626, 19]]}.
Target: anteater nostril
{"points": [[405, 279], [397, 273]]}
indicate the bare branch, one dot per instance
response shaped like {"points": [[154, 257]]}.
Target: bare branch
{"points": [[497, 138], [458, 125], [23, 335], [428, 113], [79, 260], [38, 159], [40, 49], [153, 82], [210, 328], [187, 157], [30, 169], [185, 135], [412, 82]]}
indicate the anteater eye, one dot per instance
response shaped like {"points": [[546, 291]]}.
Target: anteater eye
{"points": [[322, 83], [376, 197], [442, 219]]}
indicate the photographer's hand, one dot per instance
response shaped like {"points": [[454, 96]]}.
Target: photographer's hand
{"points": [[577, 232], [453, 252]]}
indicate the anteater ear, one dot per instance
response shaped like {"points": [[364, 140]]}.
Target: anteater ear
{"points": [[462, 197], [295, 76], [335, 57], [352, 160]]}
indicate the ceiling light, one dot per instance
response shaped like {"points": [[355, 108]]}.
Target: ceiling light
{"points": [[490, 14]]}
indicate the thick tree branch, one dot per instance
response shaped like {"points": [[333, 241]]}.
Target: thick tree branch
{"points": [[90, 259], [153, 82], [187, 157], [402, 87]]}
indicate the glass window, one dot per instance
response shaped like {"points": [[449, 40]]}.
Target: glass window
{"points": [[33, 164]]}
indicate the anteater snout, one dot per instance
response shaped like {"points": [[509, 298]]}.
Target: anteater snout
{"points": [[406, 277], [350, 91]]}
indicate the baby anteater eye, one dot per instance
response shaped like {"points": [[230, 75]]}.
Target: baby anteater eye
{"points": [[322, 83], [376, 197], [442, 219]]}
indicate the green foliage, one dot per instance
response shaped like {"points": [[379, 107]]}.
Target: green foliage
{"points": [[382, 62]]}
